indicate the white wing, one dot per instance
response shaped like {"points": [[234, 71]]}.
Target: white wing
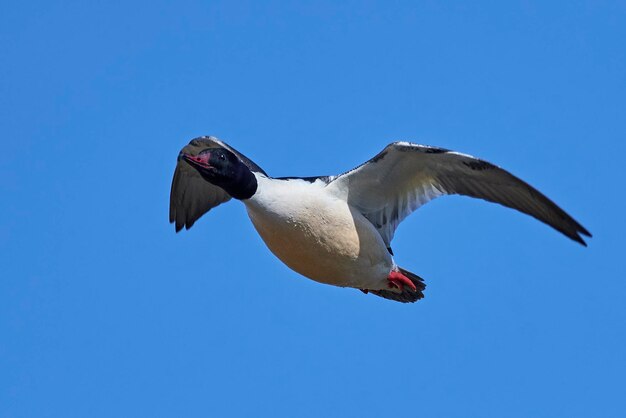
{"points": [[404, 176]]}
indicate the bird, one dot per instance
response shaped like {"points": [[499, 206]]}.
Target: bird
{"points": [[338, 229]]}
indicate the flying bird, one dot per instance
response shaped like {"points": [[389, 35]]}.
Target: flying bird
{"points": [[338, 229]]}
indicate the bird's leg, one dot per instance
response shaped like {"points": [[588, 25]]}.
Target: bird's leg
{"points": [[398, 280]]}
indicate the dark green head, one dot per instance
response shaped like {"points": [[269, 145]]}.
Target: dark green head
{"points": [[224, 169]]}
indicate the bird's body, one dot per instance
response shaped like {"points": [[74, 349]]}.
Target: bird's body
{"points": [[338, 229], [318, 234]]}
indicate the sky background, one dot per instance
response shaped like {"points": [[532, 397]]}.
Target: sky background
{"points": [[106, 312]]}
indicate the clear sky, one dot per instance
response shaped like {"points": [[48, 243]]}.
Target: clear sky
{"points": [[106, 312]]}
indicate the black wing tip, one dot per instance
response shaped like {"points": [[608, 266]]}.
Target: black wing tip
{"points": [[576, 235], [178, 226], [576, 230], [579, 240]]}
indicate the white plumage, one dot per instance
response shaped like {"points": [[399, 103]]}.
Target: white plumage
{"points": [[316, 233], [338, 229]]}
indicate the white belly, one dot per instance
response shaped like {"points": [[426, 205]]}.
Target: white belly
{"points": [[319, 236]]}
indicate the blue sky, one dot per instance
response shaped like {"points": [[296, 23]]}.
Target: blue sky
{"points": [[105, 311]]}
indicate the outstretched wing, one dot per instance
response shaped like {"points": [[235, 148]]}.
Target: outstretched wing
{"points": [[192, 196], [404, 176]]}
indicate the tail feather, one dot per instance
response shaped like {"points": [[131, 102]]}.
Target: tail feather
{"points": [[408, 295]]}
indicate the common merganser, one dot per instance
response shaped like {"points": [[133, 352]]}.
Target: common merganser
{"points": [[338, 229]]}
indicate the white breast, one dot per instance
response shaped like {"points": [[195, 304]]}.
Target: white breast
{"points": [[319, 235]]}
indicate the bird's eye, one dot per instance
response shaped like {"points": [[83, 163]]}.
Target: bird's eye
{"points": [[222, 157]]}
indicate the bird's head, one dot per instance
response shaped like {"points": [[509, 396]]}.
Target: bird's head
{"points": [[223, 168]]}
